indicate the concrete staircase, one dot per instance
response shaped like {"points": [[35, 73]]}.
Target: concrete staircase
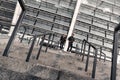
{"points": [[15, 68], [53, 65]]}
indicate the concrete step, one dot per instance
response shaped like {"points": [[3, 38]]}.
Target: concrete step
{"points": [[32, 71], [63, 61], [6, 74], [4, 36]]}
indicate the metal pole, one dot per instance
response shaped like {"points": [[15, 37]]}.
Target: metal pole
{"points": [[100, 53], [31, 48], [87, 61], [23, 35], [41, 44], [52, 40], [104, 58], [84, 51], [1, 28], [94, 64], [48, 42], [29, 40], [82, 46], [114, 56], [59, 75], [5, 53]]}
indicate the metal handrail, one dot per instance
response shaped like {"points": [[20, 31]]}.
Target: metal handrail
{"points": [[84, 42], [115, 53], [103, 54], [41, 44]]}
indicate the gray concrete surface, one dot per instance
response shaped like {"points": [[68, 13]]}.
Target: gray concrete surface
{"points": [[58, 60]]}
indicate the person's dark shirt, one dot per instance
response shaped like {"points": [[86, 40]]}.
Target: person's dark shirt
{"points": [[62, 39], [71, 39]]}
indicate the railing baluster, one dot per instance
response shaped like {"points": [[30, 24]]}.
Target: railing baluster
{"points": [[105, 58], [41, 44], [94, 64], [87, 61], [84, 51], [31, 48], [48, 42], [82, 45], [29, 41], [100, 53], [52, 40]]}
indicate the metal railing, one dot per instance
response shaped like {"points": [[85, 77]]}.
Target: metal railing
{"points": [[115, 52], [7, 48], [83, 48], [102, 54], [41, 44], [23, 35]]}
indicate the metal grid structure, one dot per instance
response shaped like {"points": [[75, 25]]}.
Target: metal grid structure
{"points": [[48, 15], [6, 14], [96, 21]]}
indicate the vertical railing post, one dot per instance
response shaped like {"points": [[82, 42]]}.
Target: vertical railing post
{"points": [[94, 64], [114, 54], [48, 42], [104, 58], [87, 61], [1, 26], [29, 40], [82, 46], [7, 48], [23, 35], [100, 53], [31, 48], [41, 44], [84, 51], [53, 36]]}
